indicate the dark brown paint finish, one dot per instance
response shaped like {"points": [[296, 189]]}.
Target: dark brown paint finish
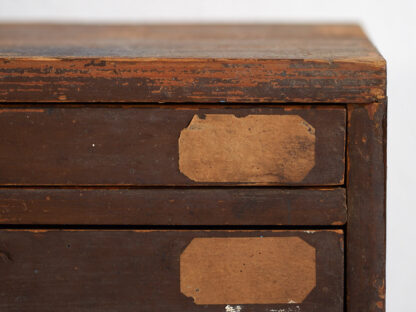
{"points": [[85, 142], [196, 63], [136, 270], [366, 191], [195, 206], [139, 145]]}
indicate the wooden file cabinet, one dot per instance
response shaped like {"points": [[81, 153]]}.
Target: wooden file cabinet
{"points": [[191, 168]]}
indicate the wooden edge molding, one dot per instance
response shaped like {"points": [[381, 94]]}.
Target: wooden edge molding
{"points": [[191, 80], [248, 270], [250, 149]]}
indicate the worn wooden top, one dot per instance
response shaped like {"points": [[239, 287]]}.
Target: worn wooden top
{"points": [[188, 41], [189, 63]]}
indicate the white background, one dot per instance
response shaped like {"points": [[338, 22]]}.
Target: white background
{"points": [[390, 24]]}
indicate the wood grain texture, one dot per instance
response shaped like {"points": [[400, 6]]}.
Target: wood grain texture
{"points": [[185, 207], [366, 195], [194, 63], [135, 271], [139, 145]]}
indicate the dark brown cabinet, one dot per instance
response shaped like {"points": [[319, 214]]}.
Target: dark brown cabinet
{"points": [[191, 168]]}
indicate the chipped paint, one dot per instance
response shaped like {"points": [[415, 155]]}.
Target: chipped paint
{"points": [[21, 110], [5, 257], [372, 109], [382, 290], [190, 80], [229, 308], [289, 309]]}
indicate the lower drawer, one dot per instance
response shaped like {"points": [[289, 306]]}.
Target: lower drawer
{"points": [[65, 270]]}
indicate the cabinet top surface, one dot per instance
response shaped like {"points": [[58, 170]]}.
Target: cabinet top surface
{"points": [[189, 63], [311, 42]]}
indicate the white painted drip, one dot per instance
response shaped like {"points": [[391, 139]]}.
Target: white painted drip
{"points": [[229, 308], [290, 309]]}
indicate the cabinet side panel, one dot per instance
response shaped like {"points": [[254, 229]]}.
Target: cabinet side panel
{"points": [[366, 198]]}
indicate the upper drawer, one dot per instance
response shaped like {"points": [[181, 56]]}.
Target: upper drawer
{"points": [[172, 145]]}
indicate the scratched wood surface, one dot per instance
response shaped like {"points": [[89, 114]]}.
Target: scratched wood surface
{"points": [[366, 189], [103, 271], [139, 145], [194, 63], [195, 206]]}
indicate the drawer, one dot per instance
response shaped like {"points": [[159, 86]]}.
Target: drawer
{"points": [[171, 270], [173, 206], [172, 145]]}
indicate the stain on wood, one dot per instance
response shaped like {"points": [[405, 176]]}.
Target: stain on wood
{"points": [[211, 63], [366, 191], [138, 145], [158, 206], [253, 270], [99, 270], [253, 149]]}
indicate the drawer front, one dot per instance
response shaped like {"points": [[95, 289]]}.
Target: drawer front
{"points": [[171, 270], [173, 206], [183, 145]]}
